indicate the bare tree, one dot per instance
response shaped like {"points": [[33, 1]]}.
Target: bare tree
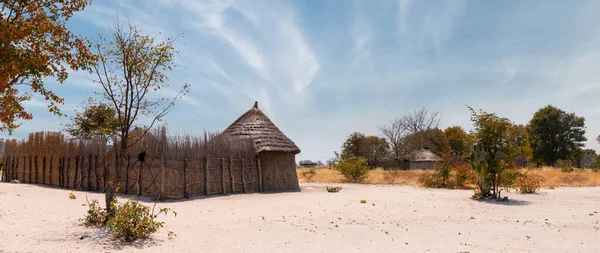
{"points": [[130, 68], [416, 123], [395, 132]]}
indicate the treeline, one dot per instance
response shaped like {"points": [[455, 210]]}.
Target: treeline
{"points": [[552, 137]]}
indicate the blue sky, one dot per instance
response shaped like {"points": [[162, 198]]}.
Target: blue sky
{"points": [[324, 69]]}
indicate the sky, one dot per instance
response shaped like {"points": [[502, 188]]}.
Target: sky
{"points": [[322, 70]]}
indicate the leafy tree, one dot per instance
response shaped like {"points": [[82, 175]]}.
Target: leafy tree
{"points": [[555, 135], [493, 152], [521, 152], [371, 148], [35, 45], [96, 120], [130, 68], [355, 146], [433, 138], [459, 141]]}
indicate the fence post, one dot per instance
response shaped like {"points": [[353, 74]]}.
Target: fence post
{"points": [[24, 168], [44, 170], [60, 164], [15, 167], [162, 181], [30, 179], [89, 172], [106, 175], [231, 177], [127, 175], [96, 172], [223, 175], [77, 172], [66, 184], [37, 169], [243, 176], [185, 190], [50, 169], [139, 179], [260, 184], [206, 183]]}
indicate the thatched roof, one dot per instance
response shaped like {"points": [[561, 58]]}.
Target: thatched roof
{"points": [[255, 125], [425, 155]]}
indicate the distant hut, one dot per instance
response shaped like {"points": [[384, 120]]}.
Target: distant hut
{"points": [[423, 159], [276, 152]]}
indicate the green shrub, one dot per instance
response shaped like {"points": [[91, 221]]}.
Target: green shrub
{"points": [[134, 221], [363, 201], [333, 189], [354, 169], [309, 173], [72, 196], [529, 183], [509, 176], [95, 216], [463, 175], [565, 165]]}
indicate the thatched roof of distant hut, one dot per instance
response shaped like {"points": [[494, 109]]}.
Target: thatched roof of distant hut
{"points": [[255, 125], [425, 155]]}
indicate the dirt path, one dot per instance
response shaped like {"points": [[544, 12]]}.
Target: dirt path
{"points": [[394, 219]]}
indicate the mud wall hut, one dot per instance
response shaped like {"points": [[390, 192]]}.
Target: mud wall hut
{"points": [[423, 159], [275, 151]]}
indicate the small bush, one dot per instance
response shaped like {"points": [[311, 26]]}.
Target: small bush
{"points": [[72, 196], [363, 201], [333, 189], [463, 175], [95, 216], [354, 169], [509, 176], [529, 183], [565, 165], [309, 173], [134, 221]]}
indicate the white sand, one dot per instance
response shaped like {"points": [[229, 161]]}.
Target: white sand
{"points": [[403, 219]]}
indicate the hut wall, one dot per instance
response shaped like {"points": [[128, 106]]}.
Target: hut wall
{"points": [[422, 165], [279, 171]]}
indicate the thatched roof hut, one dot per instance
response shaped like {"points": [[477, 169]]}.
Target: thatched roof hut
{"points": [[423, 159], [276, 152]]}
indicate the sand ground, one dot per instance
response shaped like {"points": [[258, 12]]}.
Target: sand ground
{"points": [[394, 219]]}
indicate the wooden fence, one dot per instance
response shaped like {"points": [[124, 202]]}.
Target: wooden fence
{"points": [[156, 176]]}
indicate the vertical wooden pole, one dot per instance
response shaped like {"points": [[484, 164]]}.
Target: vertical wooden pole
{"points": [[30, 178], [106, 175], [243, 175], [185, 189], [206, 183], [96, 173], [15, 164], [24, 168], [260, 179], [66, 184], [231, 177], [127, 175], [223, 176], [89, 172], [162, 181], [60, 165], [37, 169], [76, 176], [51, 170], [139, 179], [44, 170]]}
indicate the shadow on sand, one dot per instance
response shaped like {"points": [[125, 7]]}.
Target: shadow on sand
{"points": [[510, 202]]}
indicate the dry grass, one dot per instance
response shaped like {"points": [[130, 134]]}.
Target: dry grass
{"points": [[554, 177], [377, 176]]}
